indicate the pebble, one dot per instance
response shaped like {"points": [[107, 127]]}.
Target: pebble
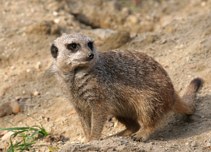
{"points": [[15, 107], [55, 13], [152, 143], [126, 11], [28, 70], [203, 4], [187, 143], [163, 41], [7, 136], [36, 93], [202, 116], [57, 20], [38, 65], [115, 124], [208, 142], [9, 108], [208, 145], [12, 67], [2, 39], [194, 144], [17, 98], [132, 19]]}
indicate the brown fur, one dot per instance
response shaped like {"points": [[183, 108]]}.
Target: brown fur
{"points": [[131, 86]]}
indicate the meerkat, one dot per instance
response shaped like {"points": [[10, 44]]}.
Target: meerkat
{"points": [[128, 85]]}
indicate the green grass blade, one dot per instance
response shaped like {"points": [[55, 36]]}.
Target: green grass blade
{"points": [[26, 137]]}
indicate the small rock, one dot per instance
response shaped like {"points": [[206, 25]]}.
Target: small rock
{"points": [[163, 41], [7, 136], [116, 40], [55, 13], [36, 93], [194, 144], [9, 108], [2, 133], [103, 33], [203, 4], [57, 20], [202, 116], [28, 70], [126, 11], [17, 98], [132, 19], [12, 67], [38, 65], [45, 27], [15, 107], [152, 143], [208, 144]]}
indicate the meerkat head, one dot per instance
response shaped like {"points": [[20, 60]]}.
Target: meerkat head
{"points": [[72, 51]]}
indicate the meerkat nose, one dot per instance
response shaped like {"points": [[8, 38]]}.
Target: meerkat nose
{"points": [[90, 56]]}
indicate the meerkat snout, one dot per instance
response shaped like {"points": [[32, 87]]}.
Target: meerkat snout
{"points": [[91, 47], [90, 56]]}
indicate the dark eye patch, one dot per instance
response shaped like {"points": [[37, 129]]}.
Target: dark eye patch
{"points": [[73, 47], [54, 51], [90, 45]]}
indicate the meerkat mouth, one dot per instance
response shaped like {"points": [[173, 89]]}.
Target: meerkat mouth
{"points": [[85, 63], [82, 64]]}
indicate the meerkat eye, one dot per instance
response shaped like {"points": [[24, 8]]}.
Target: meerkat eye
{"points": [[73, 47], [54, 51], [90, 45]]}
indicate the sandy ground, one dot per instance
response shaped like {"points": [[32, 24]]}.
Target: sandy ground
{"points": [[175, 33]]}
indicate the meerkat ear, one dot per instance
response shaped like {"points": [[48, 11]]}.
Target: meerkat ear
{"points": [[54, 51]]}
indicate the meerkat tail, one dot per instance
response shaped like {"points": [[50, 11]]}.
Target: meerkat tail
{"points": [[186, 104]]}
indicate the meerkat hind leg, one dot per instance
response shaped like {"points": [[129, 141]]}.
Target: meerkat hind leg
{"points": [[131, 125], [143, 134]]}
